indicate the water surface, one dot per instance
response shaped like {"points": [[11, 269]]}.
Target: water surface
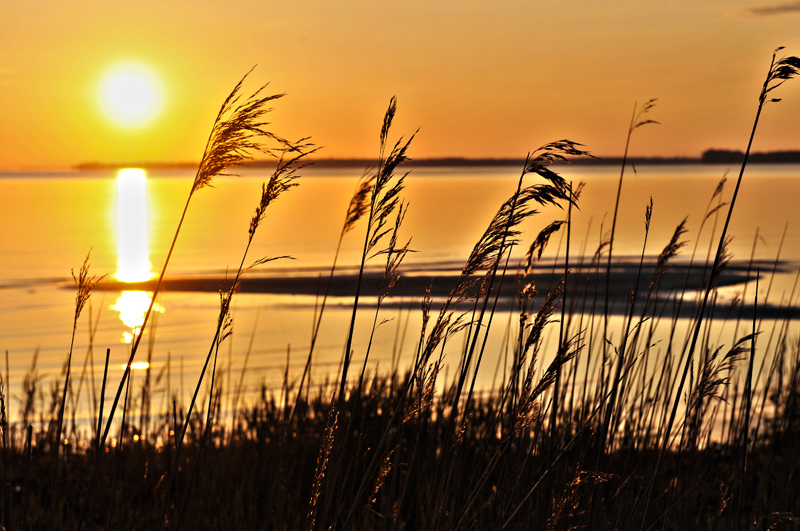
{"points": [[49, 223]]}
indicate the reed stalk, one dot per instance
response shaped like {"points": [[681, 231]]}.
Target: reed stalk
{"points": [[779, 72], [384, 199], [282, 180], [232, 139], [637, 121], [84, 285]]}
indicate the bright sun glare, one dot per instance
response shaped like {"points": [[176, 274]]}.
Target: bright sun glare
{"points": [[130, 95]]}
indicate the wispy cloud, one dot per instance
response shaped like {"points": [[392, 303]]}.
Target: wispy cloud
{"points": [[770, 10]]}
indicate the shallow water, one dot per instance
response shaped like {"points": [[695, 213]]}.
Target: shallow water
{"points": [[49, 223]]}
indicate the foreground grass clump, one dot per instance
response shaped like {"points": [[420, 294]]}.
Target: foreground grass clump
{"points": [[260, 473], [583, 431]]}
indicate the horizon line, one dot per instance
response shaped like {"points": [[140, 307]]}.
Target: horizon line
{"points": [[710, 156]]}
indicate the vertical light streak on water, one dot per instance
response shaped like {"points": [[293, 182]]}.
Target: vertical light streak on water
{"points": [[133, 264], [133, 261]]}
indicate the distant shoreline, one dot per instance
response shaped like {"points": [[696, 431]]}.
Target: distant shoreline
{"points": [[711, 156]]}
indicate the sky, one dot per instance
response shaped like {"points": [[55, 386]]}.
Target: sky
{"points": [[487, 79]]}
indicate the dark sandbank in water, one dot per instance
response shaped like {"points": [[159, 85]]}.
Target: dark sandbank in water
{"points": [[583, 282]]}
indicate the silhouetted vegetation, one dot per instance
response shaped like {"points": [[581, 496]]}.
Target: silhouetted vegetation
{"points": [[599, 428]]}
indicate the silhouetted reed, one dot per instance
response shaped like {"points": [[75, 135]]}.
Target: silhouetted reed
{"points": [[688, 435]]}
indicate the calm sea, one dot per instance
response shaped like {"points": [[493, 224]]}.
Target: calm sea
{"points": [[51, 221]]}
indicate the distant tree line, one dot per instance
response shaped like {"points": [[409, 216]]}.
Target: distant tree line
{"points": [[709, 156], [729, 156]]}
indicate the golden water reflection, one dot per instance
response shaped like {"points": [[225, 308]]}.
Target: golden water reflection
{"points": [[138, 365], [133, 264], [132, 306]]}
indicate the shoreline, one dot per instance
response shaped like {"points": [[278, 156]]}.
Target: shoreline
{"points": [[711, 156], [412, 285]]}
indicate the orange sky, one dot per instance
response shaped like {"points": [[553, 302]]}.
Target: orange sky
{"points": [[480, 79]]}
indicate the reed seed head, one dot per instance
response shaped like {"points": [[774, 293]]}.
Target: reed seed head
{"points": [[779, 72], [84, 284], [359, 203], [233, 136]]}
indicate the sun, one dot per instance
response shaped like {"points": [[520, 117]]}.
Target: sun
{"points": [[130, 95]]}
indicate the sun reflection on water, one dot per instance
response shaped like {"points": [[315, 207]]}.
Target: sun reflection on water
{"points": [[133, 263], [132, 305], [139, 365]]}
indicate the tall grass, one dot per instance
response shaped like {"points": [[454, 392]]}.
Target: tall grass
{"points": [[688, 436]]}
